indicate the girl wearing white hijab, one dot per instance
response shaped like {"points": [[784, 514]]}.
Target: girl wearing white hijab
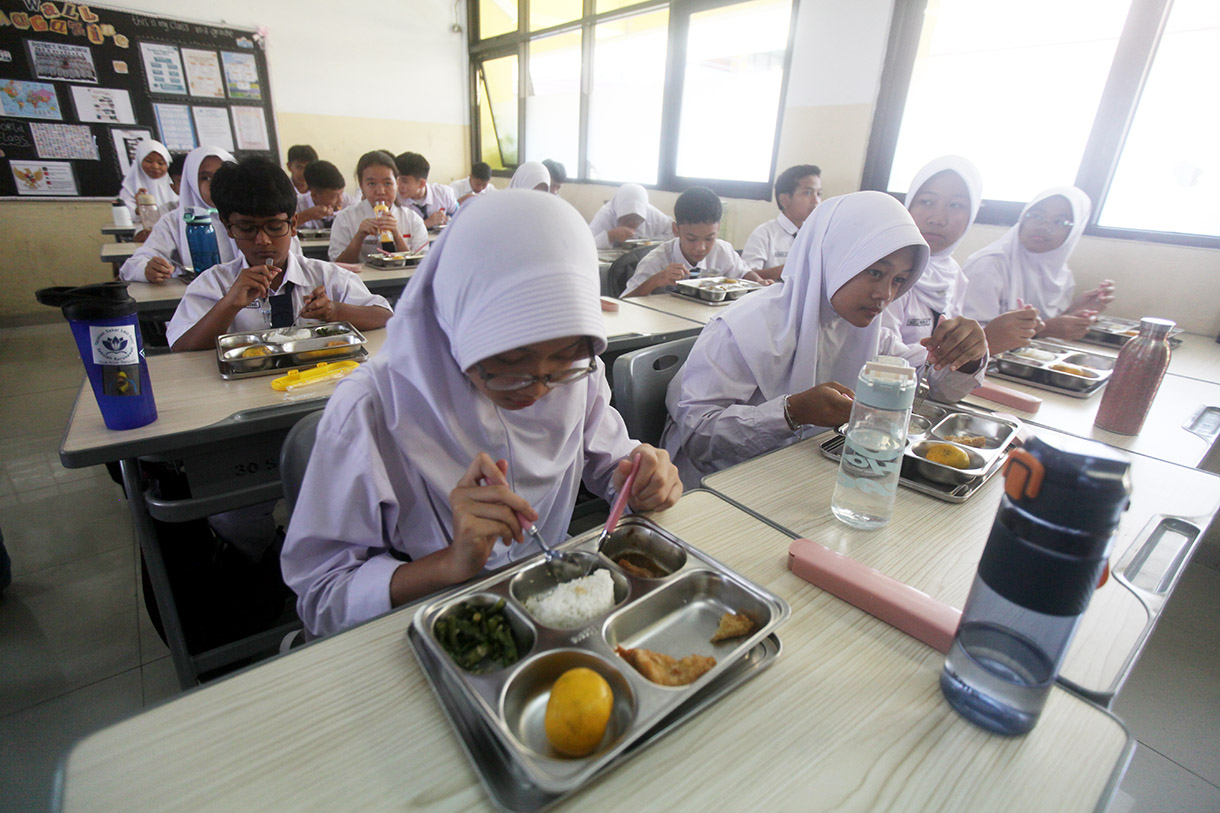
{"points": [[144, 177], [629, 214], [425, 457], [531, 175], [751, 383], [166, 252], [943, 200], [1028, 266]]}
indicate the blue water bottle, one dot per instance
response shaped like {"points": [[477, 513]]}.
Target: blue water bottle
{"points": [[1047, 553], [103, 320], [201, 239]]}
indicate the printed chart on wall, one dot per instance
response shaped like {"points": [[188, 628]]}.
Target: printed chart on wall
{"points": [[81, 86]]}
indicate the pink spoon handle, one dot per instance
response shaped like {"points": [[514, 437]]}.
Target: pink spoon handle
{"points": [[620, 502]]}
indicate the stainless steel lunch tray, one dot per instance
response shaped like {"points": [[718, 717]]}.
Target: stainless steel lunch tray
{"points": [[401, 259], [640, 242], [313, 234], [1022, 365], [716, 289], [946, 482], [305, 352], [675, 615], [1111, 331]]}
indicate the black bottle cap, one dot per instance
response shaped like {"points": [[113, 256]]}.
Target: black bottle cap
{"points": [[104, 300], [1085, 485]]}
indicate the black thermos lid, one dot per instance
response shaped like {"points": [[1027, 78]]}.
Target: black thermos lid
{"points": [[103, 300], [1085, 485]]}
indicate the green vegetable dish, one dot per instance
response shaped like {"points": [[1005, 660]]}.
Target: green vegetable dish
{"points": [[478, 637]]}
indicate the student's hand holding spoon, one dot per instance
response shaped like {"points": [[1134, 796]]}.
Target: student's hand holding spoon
{"points": [[956, 344], [620, 234], [1013, 329], [1070, 325], [826, 404], [251, 284], [657, 484], [158, 269], [318, 305], [671, 274], [485, 509]]}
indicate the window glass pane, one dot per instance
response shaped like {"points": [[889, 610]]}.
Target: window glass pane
{"points": [[498, 111], [497, 17], [731, 91], [625, 97], [1013, 87], [603, 6], [1168, 178], [552, 102], [547, 13]]}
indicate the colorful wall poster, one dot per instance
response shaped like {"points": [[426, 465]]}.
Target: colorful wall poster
{"points": [[14, 134], [212, 125], [30, 100], [241, 75], [58, 60], [64, 141], [43, 178], [203, 73], [103, 105], [163, 68], [251, 128], [174, 124], [125, 144]]}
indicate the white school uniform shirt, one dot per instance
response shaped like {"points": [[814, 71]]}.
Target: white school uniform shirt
{"points": [[305, 201], [769, 244], [721, 261], [461, 188], [726, 404], [399, 433], [303, 273], [137, 179], [347, 223], [437, 196]]}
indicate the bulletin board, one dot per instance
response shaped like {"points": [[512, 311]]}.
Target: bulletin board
{"points": [[82, 85]]}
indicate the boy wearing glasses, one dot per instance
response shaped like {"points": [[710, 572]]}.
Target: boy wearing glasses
{"points": [[268, 285]]}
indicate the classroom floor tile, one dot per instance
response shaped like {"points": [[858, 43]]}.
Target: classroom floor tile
{"points": [[1154, 783], [35, 413]]}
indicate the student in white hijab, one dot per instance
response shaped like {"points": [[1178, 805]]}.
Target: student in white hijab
{"points": [[166, 252], [153, 178], [778, 365], [531, 175], [943, 200], [629, 215], [1028, 266], [408, 490]]}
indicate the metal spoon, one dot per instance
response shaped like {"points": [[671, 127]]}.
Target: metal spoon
{"points": [[563, 565], [620, 503]]}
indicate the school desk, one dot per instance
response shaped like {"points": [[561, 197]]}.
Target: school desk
{"points": [[678, 305], [634, 326], [120, 253], [849, 717], [121, 234], [935, 546]]}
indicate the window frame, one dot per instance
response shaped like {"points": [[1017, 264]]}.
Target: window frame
{"points": [[1133, 60], [518, 42]]}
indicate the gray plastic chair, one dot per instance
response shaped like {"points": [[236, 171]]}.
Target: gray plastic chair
{"points": [[640, 380], [294, 457]]}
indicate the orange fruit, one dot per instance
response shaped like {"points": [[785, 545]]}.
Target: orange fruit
{"points": [[578, 711], [947, 455]]}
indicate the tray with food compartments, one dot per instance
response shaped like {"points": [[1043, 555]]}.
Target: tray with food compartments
{"points": [[1055, 367], [251, 353], [394, 259], [659, 623], [1111, 331], [714, 290]]}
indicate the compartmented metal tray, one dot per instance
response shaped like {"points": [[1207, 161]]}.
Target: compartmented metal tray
{"points": [[716, 289], [1110, 331], [675, 614], [996, 433], [1055, 367], [313, 234], [287, 348], [397, 259], [640, 242], [508, 786]]}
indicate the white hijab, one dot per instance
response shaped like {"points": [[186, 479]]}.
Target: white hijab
{"points": [[936, 287], [779, 329], [632, 199], [487, 293], [529, 175], [191, 199], [137, 179], [1042, 280]]}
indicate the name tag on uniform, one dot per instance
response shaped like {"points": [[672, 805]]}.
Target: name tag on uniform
{"points": [[781, 255], [919, 321]]}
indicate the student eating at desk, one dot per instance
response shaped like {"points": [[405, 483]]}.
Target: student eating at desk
{"points": [[267, 284], [361, 230], [433, 202], [149, 172], [487, 407], [531, 175], [778, 365], [629, 215], [316, 209], [477, 183]]}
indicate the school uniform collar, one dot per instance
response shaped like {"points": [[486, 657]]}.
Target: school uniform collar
{"points": [[676, 254], [787, 225], [293, 272]]}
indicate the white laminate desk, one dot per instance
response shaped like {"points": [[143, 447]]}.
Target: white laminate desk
{"points": [[678, 305], [121, 234], [935, 546], [633, 326], [849, 717], [121, 252]]}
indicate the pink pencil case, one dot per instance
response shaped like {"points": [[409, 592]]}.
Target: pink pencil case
{"points": [[897, 604], [1008, 397]]}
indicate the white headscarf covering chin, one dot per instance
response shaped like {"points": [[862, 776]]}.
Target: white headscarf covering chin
{"points": [[481, 291], [844, 236], [137, 179], [191, 199], [529, 175], [1042, 280], [630, 199], [936, 287]]}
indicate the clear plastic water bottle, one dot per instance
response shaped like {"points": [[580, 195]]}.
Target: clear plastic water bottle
{"points": [[876, 439], [1046, 555], [201, 239], [147, 211]]}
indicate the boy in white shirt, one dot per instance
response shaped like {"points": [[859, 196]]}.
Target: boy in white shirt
{"points": [[300, 156], [798, 191], [316, 209], [358, 230], [695, 250], [434, 203], [269, 285], [479, 183]]}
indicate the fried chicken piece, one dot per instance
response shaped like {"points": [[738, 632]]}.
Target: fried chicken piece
{"points": [[636, 570], [733, 625], [665, 670], [975, 441]]}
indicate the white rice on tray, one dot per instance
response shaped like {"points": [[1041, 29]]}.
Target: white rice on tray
{"points": [[573, 603]]}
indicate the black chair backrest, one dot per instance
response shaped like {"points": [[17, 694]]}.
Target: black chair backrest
{"points": [[294, 456], [622, 269]]}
